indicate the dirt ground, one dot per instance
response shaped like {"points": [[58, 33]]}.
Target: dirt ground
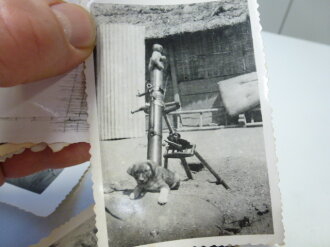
{"points": [[200, 208]]}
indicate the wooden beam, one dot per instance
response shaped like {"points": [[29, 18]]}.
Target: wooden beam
{"points": [[174, 74], [174, 77]]}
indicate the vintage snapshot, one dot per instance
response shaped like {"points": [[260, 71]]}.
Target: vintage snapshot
{"points": [[186, 143], [83, 235], [42, 192], [51, 110], [80, 231], [38, 182]]}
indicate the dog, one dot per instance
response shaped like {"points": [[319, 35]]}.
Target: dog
{"points": [[153, 178]]}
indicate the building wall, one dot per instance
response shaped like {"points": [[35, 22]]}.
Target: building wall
{"points": [[202, 59], [116, 88]]}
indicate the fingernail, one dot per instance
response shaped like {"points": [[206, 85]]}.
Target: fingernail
{"points": [[39, 147], [77, 24], [56, 147]]}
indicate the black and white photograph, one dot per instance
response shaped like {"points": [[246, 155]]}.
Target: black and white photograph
{"points": [[42, 192], [49, 111], [79, 231], [184, 144], [37, 182], [82, 236]]}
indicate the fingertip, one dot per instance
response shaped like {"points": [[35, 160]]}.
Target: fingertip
{"points": [[39, 41], [76, 153], [77, 24], [31, 162]]}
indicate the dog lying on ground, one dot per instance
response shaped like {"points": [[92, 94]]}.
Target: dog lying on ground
{"points": [[153, 178]]}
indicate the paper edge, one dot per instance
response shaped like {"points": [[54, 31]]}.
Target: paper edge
{"points": [[96, 168], [62, 198], [65, 229]]}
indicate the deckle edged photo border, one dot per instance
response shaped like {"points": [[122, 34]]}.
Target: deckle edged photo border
{"points": [[224, 154]]}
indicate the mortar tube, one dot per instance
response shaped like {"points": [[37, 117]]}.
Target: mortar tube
{"points": [[155, 130]]}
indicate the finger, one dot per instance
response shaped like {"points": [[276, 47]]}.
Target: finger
{"points": [[31, 162], [42, 38]]}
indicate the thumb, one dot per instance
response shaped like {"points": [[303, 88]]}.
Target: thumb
{"points": [[42, 38]]}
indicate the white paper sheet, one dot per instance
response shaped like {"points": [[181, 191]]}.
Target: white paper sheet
{"points": [[46, 202], [52, 110]]}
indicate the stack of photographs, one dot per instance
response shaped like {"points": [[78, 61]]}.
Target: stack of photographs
{"points": [[182, 143]]}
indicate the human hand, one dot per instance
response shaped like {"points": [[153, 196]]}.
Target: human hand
{"points": [[41, 39], [29, 161]]}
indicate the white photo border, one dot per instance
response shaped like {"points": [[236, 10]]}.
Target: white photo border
{"points": [[65, 229], [45, 203]]}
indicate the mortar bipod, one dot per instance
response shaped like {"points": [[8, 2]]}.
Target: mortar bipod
{"points": [[179, 148]]}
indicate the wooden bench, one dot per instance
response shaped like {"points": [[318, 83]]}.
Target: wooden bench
{"points": [[201, 112]]}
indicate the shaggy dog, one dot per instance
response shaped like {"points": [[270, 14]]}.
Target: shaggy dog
{"points": [[153, 178]]}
